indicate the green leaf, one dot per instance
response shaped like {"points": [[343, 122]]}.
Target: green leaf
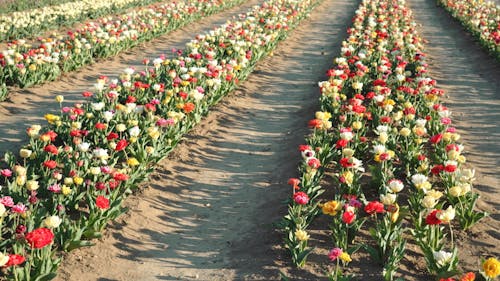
{"points": [[79, 244], [46, 276], [92, 234]]}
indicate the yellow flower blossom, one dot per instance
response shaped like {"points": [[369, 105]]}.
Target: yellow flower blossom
{"points": [[78, 180], [32, 185], [301, 235], [65, 190], [51, 118], [132, 162], [345, 257], [25, 153], [491, 267], [331, 208], [348, 176]]}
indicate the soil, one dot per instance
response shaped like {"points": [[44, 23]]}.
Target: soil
{"points": [[210, 209]]}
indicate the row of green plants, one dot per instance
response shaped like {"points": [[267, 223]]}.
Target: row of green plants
{"points": [[29, 21], [9, 6], [24, 65], [72, 177], [480, 18], [396, 163]]}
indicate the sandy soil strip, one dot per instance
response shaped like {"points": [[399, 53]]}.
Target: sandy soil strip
{"points": [[208, 211]]}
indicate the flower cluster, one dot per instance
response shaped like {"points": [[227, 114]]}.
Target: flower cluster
{"points": [[381, 112], [481, 18], [25, 64], [30, 22], [73, 175]]}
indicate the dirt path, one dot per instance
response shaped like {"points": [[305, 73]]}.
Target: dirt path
{"points": [[27, 106], [208, 211], [471, 80]]}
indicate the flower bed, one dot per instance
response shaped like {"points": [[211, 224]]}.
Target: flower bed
{"points": [[481, 18], [25, 65], [72, 177], [9, 6], [397, 163], [29, 23]]}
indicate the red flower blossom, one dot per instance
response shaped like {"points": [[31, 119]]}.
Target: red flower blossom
{"points": [[421, 157], [100, 126], [100, 186], [121, 145], [131, 99], [75, 133], [450, 168], [348, 217], [140, 85], [469, 276], [113, 184], [49, 135], [112, 136], [358, 108], [341, 143], [294, 182], [120, 177], [78, 111], [437, 169], [51, 149], [374, 207], [102, 202], [385, 119], [15, 259], [315, 123], [188, 107], [300, 198], [432, 219], [344, 162], [51, 164], [436, 138], [359, 96], [149, 107], [314, 163], [304, 147], [20, 229], [368, 116], [39, 237], [6, 172], [384, 156]]}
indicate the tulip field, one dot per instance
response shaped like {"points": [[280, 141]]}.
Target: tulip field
{"points": [[249, 140]]}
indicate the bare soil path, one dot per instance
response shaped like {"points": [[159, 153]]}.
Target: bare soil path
{"points": [[208, 211]]}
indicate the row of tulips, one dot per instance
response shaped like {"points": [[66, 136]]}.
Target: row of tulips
{"points": [[24, 65], [75, 172], [481, 18], [29, 23], [396, 159], [9, 6]]}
